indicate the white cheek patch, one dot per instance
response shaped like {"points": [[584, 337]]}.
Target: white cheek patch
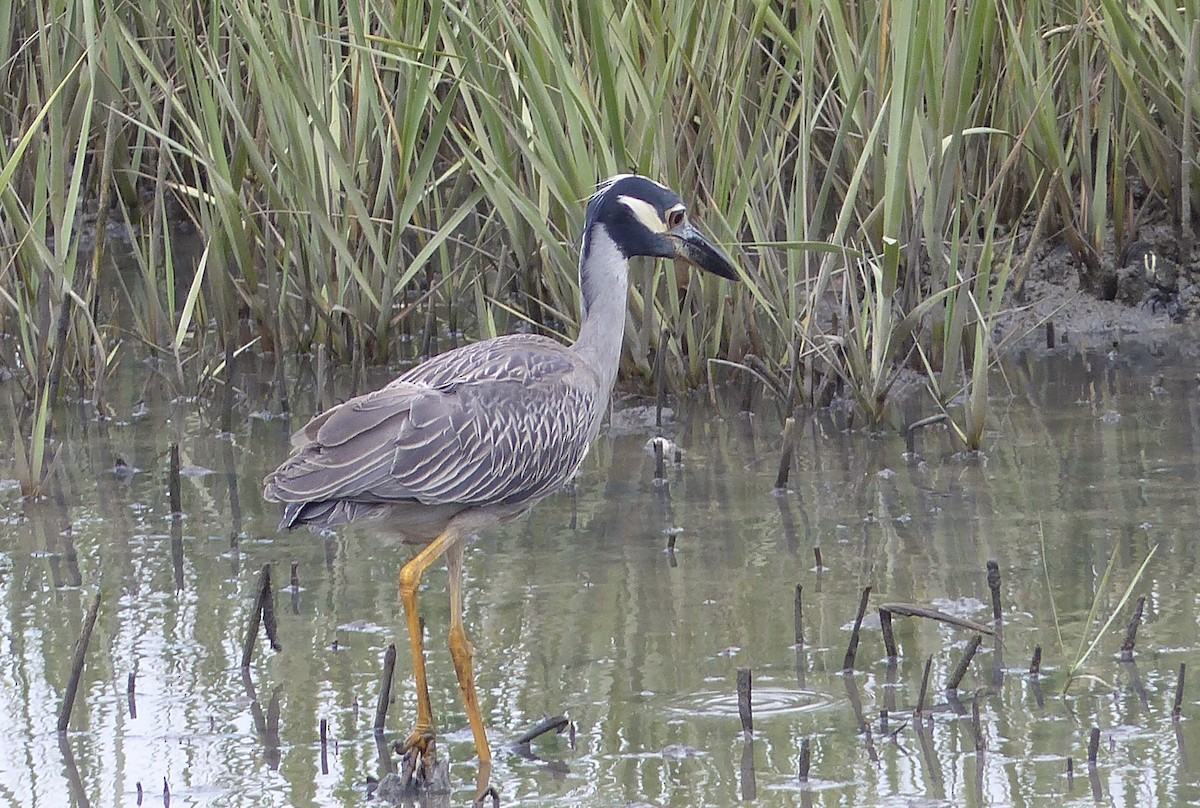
{"points": [[645, 213]]}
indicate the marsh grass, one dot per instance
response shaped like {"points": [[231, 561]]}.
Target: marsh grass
{"points": [[372, 180], [1089, 640]]}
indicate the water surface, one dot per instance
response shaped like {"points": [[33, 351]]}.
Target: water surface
{"points": [[581, 609]]}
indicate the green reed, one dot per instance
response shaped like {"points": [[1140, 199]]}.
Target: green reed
{"points": [[369, 178]]}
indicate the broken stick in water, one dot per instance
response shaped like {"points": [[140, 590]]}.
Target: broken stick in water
{"points": [[852, 649], [889, 640], [785, 460], [924, 687], [324, 746], [556, 724], [930, 613], [993, 579], [1035, 664], [1131, 630], [1177, 711], [743, 695], [960, 670], [799, 609], [173, 485], [81, 646], [385, 688], [262, 613]]}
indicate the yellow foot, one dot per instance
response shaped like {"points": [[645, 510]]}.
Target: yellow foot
{"points": [[419, 761]]}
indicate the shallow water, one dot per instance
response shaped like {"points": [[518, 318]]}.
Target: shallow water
{"points": [[580, 609]]}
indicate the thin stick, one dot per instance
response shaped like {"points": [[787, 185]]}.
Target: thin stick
{"points": [[785, 459], [917, 610], [1035, 664], [993, 579], [743, 694], [660, 469], [385, 687], [129, 692], [324, 746], [889, 641], [852, 649], [960, 670], [89, 622], [924, 686], [805, 760], [1177, 711], [817, 556], [256, 616], [1132, 629], [1050, 334], [1093, 746], [268, 610], [557, 724], [799, 609], [173, 484]]}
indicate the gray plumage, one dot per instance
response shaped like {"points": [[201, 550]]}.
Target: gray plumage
{"points": [[503, 422], [498, 425]]}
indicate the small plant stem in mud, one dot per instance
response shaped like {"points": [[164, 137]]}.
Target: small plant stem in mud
{"points": [[805, 760], [1093, 746], [1035, 664]]}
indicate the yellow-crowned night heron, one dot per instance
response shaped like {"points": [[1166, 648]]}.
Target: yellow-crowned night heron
{"points": [[479, 434]]}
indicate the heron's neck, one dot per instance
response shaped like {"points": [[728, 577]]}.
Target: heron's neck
{"points": [[604, 288]]}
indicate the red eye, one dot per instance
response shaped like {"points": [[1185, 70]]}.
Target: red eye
{"points": [[675, 218]]}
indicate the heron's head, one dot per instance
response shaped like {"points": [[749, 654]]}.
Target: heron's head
{"points": [[643, 217]]}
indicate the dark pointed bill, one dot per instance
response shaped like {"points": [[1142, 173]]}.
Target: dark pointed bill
{"points": [[693, 247]]}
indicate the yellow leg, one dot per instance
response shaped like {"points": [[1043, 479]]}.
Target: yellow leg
{"points": [[461, 652], [420, 741]]}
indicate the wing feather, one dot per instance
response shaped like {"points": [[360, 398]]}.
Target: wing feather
{"points": [[504, 422]]}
